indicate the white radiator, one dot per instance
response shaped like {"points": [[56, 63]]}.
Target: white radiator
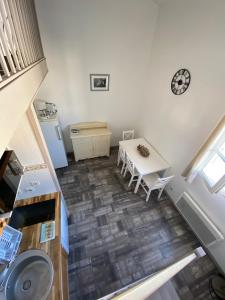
{"points": [[199, 222]]}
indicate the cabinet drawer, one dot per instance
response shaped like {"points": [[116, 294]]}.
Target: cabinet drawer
{"points": [[82, 140]]}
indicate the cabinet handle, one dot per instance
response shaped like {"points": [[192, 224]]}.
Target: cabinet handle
{"points": [[58, 132]]}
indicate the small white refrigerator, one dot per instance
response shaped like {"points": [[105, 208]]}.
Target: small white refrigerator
{"points": [[53, 136]]}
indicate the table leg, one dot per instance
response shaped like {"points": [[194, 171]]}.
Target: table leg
{"points": [[138, 183]]}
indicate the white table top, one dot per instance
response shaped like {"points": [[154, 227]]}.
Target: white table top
{"points": [[145, 165]]}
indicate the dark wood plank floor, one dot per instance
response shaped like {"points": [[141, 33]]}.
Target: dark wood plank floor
{"points": [[117, 238]]}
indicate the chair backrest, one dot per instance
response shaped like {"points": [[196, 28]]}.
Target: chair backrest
{"points": [[130, 165], [162, 182], [128, 134]]}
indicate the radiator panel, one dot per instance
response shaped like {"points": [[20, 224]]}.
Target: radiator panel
{"points": [[202, 226]]}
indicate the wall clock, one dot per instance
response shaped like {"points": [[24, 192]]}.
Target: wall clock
{"points": [[180, 81]]}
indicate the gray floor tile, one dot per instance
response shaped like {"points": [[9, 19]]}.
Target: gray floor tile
{"points": [[117, 238]]}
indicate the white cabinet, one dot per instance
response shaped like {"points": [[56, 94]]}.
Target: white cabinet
{"points": [[83, 148], [101, 145], [90, 140]]}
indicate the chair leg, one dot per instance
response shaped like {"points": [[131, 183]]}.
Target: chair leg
{"points": [[148, 195], [123, 168], [131, 180], [138, 183], [125, 173], [118, 159], [160, 193]]}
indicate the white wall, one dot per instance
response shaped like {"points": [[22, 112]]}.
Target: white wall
{"points": [[25, 145], [189, 34], [98, 36], [82, 37], [15, 99]]}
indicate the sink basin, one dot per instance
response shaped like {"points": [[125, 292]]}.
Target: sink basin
{"points": [[30, 277], [32, 214]]}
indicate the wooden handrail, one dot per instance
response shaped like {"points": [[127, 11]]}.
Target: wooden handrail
{"points": [[20, 45], [145, 287], [8, 80]]}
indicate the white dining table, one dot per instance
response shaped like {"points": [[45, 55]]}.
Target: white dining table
{"points": [[144, 165]]}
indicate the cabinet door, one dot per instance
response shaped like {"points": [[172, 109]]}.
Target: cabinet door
{"points": [[64, 276], [83, 148], [64, 226], [54, 140], [101, 145]]}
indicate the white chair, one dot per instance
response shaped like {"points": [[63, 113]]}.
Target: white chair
{"points": [[154, 182], [121, 157], [131, 168], [128, 135]]}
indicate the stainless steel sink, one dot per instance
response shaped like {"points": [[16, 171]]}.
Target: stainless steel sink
{"points": [[32, 214], [29, 277]]}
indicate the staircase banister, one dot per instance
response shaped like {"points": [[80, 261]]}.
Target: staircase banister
{"points": [[145, 287]]}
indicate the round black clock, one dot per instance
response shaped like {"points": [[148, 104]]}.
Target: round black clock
{"points": [[180, 81]]}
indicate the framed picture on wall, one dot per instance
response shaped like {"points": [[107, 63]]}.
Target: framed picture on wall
{"points": [[99, 82]]}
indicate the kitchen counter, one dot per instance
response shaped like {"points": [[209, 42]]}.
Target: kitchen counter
{"points": [[39, 182], [30, 240], [35, 183], [90, 132]]}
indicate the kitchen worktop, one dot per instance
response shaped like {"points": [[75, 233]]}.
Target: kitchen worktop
{"points": [[39, 182], [31, 240], [88, 129], [35, 183], [90, 132]]}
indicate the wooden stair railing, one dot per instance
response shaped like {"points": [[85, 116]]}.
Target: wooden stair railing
{"points": [[144, 288], [20, 42]]}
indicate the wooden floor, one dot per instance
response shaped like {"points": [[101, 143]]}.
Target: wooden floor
{"points": [[117, 238]]}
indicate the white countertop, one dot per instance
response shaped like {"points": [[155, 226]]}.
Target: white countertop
{"points": [[90, 132], [88, 125], [35, 183]]}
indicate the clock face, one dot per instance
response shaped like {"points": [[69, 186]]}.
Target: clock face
{"points": [[180, 81]]}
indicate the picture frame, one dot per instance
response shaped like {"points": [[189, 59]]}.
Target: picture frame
{"points": [[99, 82]]}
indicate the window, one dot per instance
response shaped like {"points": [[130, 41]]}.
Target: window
{"points": [[209, 161], [213, 170]]}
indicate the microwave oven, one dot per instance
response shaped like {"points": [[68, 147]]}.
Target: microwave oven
{"points": [[11, 172]]}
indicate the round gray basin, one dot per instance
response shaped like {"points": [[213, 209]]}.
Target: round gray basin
{"points": [[30, 277]]}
